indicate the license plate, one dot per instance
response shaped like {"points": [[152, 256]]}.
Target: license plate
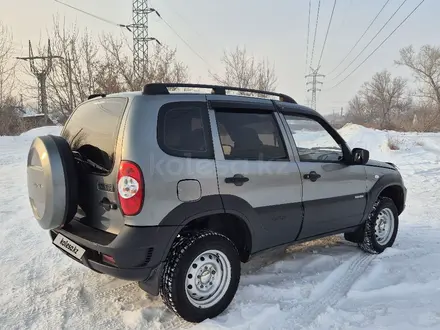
{"points": [[69, 246]]}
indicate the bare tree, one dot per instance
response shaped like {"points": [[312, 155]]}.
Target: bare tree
{"points": [[387, 96], [381, 101], [7, 64], [242, 70], [163, 65], [73, 77], [9, 115], [425, 66], [116, 69], [358, 111], [424, 117], [101, 65], [11, 122]]}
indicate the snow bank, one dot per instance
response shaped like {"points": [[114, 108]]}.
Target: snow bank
{"points": [[373, 140], [27, 137], [378, 142], [45, 130], [356, 136]]}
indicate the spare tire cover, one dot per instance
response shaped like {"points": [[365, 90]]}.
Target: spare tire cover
{"points": [[52, 181]]}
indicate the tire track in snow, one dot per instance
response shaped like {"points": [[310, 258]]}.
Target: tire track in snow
{"points": [[116, 289], [326, 294], [177, 324], [334, 287]]}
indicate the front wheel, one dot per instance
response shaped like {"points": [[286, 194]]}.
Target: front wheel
{"points": [[381, 226], [201, 275]]}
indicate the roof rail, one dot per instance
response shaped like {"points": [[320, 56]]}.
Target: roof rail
{"points": [[162, 89], [92, 96]]}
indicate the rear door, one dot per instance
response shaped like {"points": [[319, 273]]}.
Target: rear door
{"points": [[257, 175], [93, 131], [334, 193]]}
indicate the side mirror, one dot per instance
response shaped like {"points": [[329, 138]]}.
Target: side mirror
{"points": [[359, 156]]}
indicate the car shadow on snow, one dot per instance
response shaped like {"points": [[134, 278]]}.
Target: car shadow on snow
{"points": [[331, 246], [294, 265]]}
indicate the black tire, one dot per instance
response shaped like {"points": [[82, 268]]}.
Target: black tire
{"points": [[174, 280], [370, 243], [71, 177]]}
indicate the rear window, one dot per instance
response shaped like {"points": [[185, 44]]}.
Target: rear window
{"points": [[92, 130]]}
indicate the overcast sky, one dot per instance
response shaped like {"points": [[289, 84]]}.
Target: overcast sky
{"points": [[275, 29]]}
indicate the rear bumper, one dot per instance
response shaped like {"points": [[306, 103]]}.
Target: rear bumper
{"points": [[138, 252]]}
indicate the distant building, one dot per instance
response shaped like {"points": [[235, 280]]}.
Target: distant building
{"points": [[17, 120], [36, 120], [31, 119]]}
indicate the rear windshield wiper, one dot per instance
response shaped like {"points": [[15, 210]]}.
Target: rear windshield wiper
{"points": [[84, 160]]}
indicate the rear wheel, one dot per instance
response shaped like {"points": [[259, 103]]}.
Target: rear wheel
{"points": [[201, 275], [381, 226]]}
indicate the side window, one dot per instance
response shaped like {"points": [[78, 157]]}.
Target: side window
{"points": [[313, 142], [182, 131], [250, 136]]}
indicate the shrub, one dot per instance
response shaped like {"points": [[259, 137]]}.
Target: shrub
{"points": [[393, 143]]}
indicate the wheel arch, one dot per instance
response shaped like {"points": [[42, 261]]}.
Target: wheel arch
{"points": [[396, 193], [232, 224], [388, 185]]}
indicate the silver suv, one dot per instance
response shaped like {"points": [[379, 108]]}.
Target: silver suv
{"points": [[174, 190]]}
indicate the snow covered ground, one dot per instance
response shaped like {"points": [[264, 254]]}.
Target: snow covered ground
{"points": [[325, 284]]}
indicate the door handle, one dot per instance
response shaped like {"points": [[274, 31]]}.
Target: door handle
{"points": [[312, 176], [237, 179]]}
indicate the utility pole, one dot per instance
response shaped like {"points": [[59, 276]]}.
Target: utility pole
{"points": [[314, 89], [141, 10], [41, 74]]}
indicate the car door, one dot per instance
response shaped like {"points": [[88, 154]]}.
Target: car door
{"points": [[334, 193], [257, 175]]}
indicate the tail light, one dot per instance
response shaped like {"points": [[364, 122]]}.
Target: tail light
{"points": [[130, 188]]}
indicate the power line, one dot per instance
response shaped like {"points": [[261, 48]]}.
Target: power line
{"points": [[185, 20], [372, 39], [94, 16], [326, 34], [360, 38], [308, 35], [139, 28], [316, 29], [129, 26], [371, 54], [183, 40]]}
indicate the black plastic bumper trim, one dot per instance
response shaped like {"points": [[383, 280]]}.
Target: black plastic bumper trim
{"points": [[136, 250]]}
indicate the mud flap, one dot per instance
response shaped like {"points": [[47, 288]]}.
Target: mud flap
{"points": [[151, 284]]}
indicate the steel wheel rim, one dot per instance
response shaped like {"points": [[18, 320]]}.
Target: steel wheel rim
{"points": [[208, 279], [384, 227]]}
